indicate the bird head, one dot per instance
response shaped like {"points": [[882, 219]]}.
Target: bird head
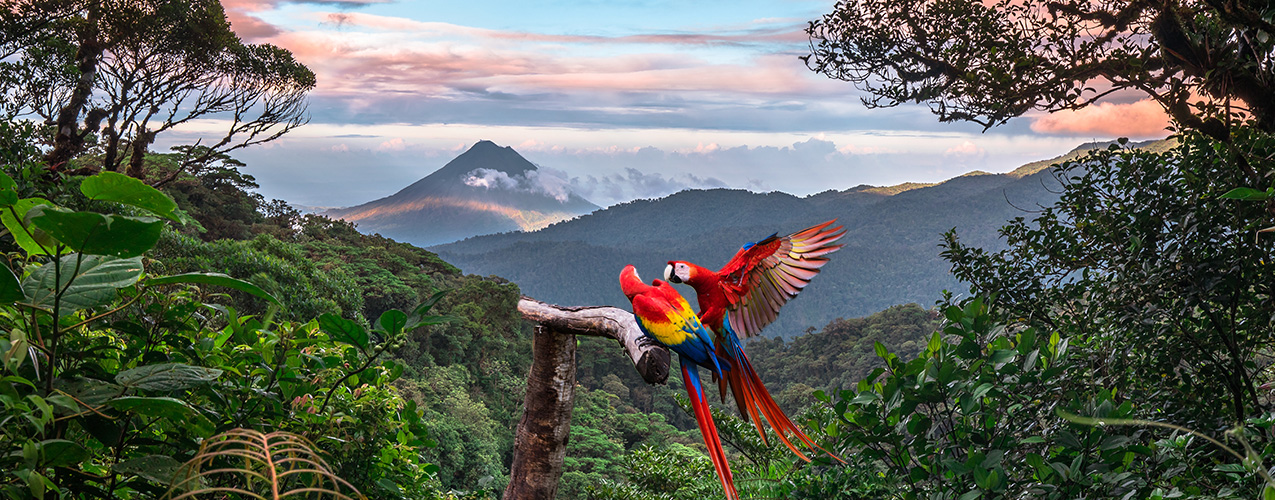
{"points": [[678, 272], [630, 282]]}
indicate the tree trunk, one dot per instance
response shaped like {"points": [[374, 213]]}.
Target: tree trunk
{"points": [[68, 141], [541, 442]]}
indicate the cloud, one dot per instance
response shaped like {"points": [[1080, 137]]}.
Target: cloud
{"points": [[490, 179], [1144, 118], [395, 144], [637, 184], [965, 152], [544, 181]]}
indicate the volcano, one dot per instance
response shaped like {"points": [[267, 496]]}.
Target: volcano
{"points": [[487, 189]]}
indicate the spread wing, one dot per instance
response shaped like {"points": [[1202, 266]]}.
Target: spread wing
{"points": [[764, 276]]}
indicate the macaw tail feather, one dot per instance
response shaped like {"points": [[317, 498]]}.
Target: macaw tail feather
{"points": [[752, 397], [690, 374]]}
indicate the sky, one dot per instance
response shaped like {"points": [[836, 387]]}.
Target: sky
{"points": [[619, 100]]}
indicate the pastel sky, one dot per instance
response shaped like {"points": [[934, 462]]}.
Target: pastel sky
{"points": [[622, 100]]}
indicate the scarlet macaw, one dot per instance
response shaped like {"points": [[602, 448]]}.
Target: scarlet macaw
{"points": [[745, 296], [664, 315]]}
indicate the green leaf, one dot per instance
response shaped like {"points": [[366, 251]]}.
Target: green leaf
{"points": [[18, 229], [98, 234], [166, 376], [170, 408], [865, 397], [215, 279], [97, 283], [1247, 194], [392, 321], [6, 182], [1268, 493], [88, 391], [880, 349], [161, 469], [8, 198], [119, 188], [1002, 356], [418, 317], [10, 287], [61, 453], [344, 330]]}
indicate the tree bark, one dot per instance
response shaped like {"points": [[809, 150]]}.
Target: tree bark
{"points": [[68, 140], [540, 444]]}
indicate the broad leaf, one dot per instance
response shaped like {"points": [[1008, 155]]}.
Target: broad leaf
{"points": [[166, 376], [88, 391], [170, 408], [392, 321], [97, 283], [10, 287], [8, 196], [18, 229], [61, 453], [161, 469], [94, 233], [215, 279], [112, 186], [344, 330]]}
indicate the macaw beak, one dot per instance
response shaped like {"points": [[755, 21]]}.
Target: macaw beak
{"points": [[669, 276]]}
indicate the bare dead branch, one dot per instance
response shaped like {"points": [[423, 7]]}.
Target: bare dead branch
{"points": [[650, 359]]}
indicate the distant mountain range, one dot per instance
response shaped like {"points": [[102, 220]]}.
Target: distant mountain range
{"points": [[890, 255], [487, 189]]}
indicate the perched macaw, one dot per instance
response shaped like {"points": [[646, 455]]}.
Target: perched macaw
{"points": [[745, 296], [664, 315]]}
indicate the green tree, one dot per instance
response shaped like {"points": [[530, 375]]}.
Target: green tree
{"points": [[987, 62], [143, 66]]}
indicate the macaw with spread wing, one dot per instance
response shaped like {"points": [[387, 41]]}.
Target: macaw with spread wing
{"points": [[664, 315], [745, 296]]}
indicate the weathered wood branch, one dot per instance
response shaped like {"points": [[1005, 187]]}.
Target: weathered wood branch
{"points": [[540, 444], [650, 359]]}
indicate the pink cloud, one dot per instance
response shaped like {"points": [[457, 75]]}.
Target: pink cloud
{"points": [[1143, 118], [795, 32], [349, 65], [965, 152], [395, 144]]}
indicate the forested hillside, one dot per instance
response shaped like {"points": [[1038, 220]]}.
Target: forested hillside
{"points": [[891, 253], [169, 334]]}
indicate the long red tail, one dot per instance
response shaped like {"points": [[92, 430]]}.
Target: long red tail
{"points": [[694, 390], [751, 396]]}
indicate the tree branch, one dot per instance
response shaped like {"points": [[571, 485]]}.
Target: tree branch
{"points": [[650, 359], [540, 442]]}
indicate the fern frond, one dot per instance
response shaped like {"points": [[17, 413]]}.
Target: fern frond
{"points": [[243, 463]]}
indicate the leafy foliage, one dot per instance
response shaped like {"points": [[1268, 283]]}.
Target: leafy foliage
{"points": [[988, 62], [111, 377], [1159, 274]]}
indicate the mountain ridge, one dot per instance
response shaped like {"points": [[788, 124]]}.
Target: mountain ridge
{"points": [[891, 254], [487, 189]]}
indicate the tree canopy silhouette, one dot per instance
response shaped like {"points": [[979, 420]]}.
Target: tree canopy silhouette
{"points": [[987, 62], [110, 75]]}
